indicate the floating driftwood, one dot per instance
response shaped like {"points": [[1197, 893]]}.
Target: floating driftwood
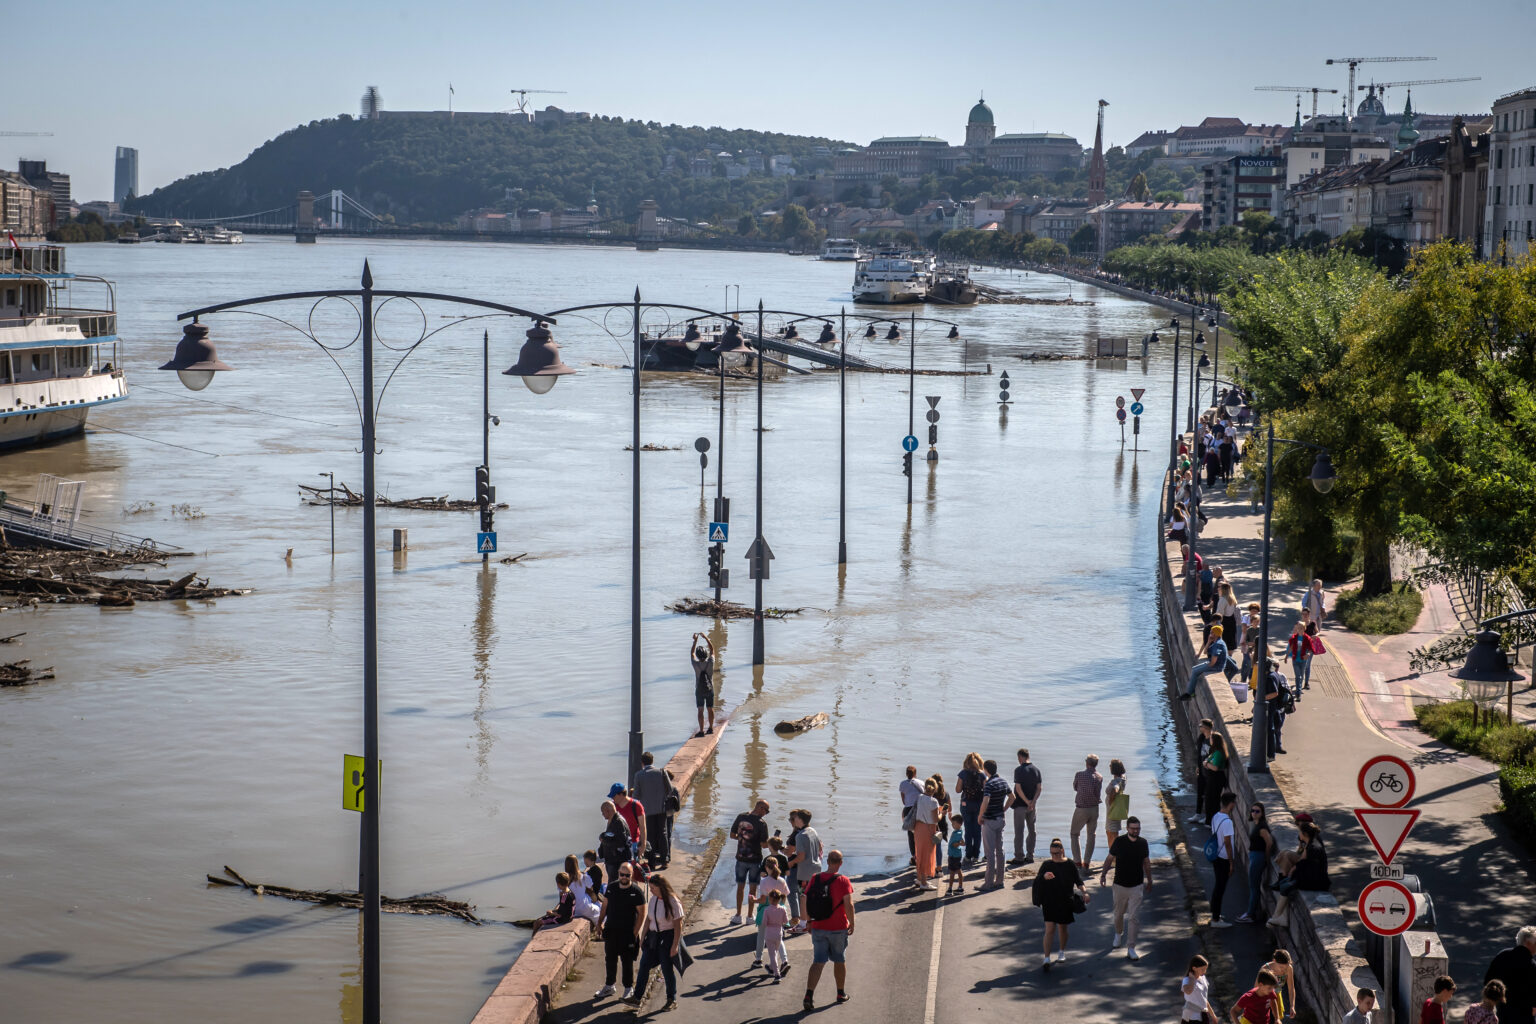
{"points": [[921, 373], [1051, 357], [805, 724], [346, 497], [726, 609], [45, 576], [18, 674], [428, 903], [512, 558], [652, 447]]}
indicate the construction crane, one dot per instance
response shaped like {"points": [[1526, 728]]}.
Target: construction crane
{"points": [[522, 97], [1381, 87], [1298, 90], [48, 134], [1354, 62]]}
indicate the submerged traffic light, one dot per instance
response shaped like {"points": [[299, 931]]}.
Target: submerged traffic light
{"points": [[906, 464], [485, 494], [716, 558]]}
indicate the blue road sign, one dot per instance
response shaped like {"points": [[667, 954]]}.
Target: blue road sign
{"points": [[909, 443], [719, 532], [1120, 415], [485, 543], [1136, 409]]}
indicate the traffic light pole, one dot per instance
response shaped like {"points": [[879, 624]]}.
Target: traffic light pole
{"points": [[486, 515]]}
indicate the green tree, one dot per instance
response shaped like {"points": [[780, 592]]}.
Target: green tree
{"points": [[1084, 240], [746, 226], [1138, 188]]}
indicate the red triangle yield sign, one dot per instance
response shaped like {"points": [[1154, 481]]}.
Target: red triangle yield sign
{"points": [[1386, 829], [1136, 394]]}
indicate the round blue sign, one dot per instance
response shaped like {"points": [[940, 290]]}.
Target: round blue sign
{"points": [[1120, 415], [909, 443], [1136, 409]]}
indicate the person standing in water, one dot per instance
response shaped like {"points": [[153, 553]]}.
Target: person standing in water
{"points": [[702, 655]]}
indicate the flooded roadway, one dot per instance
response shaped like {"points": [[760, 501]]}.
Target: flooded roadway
{"points": [[1013, 604]]}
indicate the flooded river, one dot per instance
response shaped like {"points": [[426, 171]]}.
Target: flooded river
{"points": [[1011, 605]]}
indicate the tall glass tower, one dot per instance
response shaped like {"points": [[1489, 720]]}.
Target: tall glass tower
{"points": [[125, 181]]}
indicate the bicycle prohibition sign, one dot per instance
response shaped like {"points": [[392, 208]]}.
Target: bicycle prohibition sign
{"points": [[1387, 781]]}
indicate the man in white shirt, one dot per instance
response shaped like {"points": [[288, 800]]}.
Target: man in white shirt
{"points": [[1222, 829], [910, 789]]}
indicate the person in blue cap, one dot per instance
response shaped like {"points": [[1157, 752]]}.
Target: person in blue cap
{"points": [[633, 812]]}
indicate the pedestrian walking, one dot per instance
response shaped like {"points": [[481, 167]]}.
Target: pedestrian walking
{"points": [[1195, 990], [804, 861], [1433, 1010], [1261, 847], [829, 901], [1517, 970], [1212, 466], [622, 918], [956, 857], [1487, 1010], [634, 817], [926, 815], [1027, 784], [1087, 787], [1213, 658], [1298, 651], [1215, 769], [1258, 1004], [662, 944], [1285, 989], [910, 789], [994, 793], [1131, 858], [1365, 1003], [1057, 891], [653, 787], [702, 655], [774, 918], [1313, 604], [751, 835], [613, 843], [1202, 751], [1117, 802], [1221, 864], [971, 779], [772, 882]]}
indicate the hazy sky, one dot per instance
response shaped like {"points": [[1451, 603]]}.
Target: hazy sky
{"points": [[196, 86]]}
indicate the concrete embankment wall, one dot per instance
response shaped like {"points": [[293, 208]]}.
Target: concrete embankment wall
{"points": [[1328, 969], [527, 990]]}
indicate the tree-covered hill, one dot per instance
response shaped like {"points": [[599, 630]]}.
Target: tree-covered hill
{"points": [[428, 170]]}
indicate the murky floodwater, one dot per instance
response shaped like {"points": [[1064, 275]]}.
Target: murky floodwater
{"points": [[1011, 605]]}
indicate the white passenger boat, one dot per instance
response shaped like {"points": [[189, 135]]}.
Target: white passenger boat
{"points": [[52, 369], [843, 250], [892, 277]]}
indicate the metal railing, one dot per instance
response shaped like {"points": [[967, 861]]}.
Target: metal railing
{"points": [[40, 259]]}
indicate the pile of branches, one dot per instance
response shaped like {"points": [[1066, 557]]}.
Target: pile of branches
{"points": [[75, 577], [346, 497], [17, 673], [726, 609], [651, 446], [1050, 357], [429, 903]]}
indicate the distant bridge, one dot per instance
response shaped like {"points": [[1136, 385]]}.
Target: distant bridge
{"points": [[336, 212]]}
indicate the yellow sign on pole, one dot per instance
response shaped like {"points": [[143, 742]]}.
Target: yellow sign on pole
{"points": [[354, 782]]}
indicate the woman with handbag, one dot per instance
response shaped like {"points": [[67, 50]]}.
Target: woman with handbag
{"points": [[661, 944], [1215, 769], [1058, 892]]}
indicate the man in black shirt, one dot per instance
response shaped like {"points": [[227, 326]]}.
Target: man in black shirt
{"points": [[750, 834], [1131, 858], [619, 924], [1026, 791], [1517, 970]]}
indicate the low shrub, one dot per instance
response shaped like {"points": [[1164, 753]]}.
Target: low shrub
{"points": [[1517, 785], [1393, 612], [1451, 723]]}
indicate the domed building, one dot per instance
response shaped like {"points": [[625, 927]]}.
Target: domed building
{"points": [[1371, 110], [979, 127]]}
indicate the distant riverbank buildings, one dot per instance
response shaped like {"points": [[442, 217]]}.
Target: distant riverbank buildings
{"points": [[908, 157]]}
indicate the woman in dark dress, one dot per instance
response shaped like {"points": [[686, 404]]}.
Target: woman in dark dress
{"points": [[1215, 769], [1055, 884]]}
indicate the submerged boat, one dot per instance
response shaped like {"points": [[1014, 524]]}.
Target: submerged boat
{"points": [[952, 286], [892, 277], [695, 349], [51, 366]]}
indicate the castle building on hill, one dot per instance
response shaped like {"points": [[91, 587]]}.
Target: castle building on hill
{"points": [[909, 157]]}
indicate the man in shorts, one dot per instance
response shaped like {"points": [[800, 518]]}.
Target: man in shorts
{"points": [[702, 655], [829, 935], [750, 834]]}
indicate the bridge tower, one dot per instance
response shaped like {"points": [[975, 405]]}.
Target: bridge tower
{"points": [[304, 218], [647, 234]]}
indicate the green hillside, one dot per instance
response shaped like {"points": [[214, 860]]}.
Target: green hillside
{"points": [[428, 170]]}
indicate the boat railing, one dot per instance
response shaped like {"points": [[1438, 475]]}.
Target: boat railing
{"points": [[93, 323], [32, 259]]}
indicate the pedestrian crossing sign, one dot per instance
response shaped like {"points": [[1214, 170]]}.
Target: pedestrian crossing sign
{"points": [[485, 543], [718, 532]]}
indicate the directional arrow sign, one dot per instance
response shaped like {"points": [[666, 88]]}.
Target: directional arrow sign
{"points": [[1136, 394], [1136, 409], [758, 557], [1386, 829], [909, 443]]}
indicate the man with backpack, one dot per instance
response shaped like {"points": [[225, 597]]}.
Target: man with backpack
{"points": [[654, 789], [829, 904], [613, 844], [1279, 701]]}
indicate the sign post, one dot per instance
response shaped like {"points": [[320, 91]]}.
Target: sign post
{"points": [[1386, 907]]}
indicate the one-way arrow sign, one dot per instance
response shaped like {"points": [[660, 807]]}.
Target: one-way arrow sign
{"points": [[1386, 828], [758, 556]]}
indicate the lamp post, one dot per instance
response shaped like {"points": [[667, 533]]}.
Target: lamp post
{"points": [[760, 552], [842, 437], [730, 343], [331, 501], [196, 361], [1196, 341], [1214, 321], [1322, 477], [1173, 419], [1487, 665]]}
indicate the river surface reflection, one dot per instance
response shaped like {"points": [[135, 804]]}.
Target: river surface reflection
{"points": [[1011, 605]]}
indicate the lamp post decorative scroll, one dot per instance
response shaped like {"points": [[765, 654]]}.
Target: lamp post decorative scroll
{"points": [[196, 362]]}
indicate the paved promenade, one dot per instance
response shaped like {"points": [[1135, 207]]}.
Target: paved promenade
{"points": [[1359, 705], [922, 957]]}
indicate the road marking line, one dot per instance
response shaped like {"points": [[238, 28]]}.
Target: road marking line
{"points": [[930, 1007], [1379, 684]]}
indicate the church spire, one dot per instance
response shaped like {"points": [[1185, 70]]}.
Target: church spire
{"points": [[1096, 165]]}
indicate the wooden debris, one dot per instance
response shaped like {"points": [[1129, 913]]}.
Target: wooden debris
{"points": [[510, 559], [1050, 357], [427, 903], [650, 446], [18, 674], [805, 724], [76, 577], [726, 609], [11, 639], [346, 497]]}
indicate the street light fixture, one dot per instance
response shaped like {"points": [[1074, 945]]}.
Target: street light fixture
{"points": [[538, 363], [196, 360]]}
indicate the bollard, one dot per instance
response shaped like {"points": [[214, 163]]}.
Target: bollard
{"points": [[400, 544]]}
